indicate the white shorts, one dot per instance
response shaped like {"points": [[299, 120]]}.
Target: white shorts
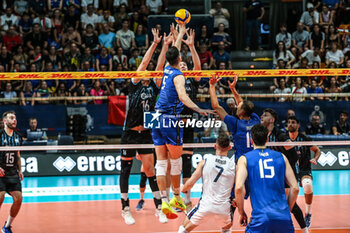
{"points": [[203, 211]]}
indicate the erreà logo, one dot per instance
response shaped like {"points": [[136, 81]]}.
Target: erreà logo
{"points": [[328, 158], [64, 164]]}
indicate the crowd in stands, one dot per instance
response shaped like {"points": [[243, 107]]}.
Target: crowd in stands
{"points": [[314, 43]]}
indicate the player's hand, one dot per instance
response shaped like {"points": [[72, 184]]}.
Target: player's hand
{"points": [[182, 29], [168, 39], [174, 31], [313, 161], [233, 84], [243, 219], [206, 112], [21, 176], [156, 38], [190, 38], [214, 79], [2, 172]]}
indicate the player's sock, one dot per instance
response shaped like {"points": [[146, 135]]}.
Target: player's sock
{"points": [[305, 230], [308, 209], [155, 190], [168, 193], [188, 197], [9, 221], [182, 230], [163, 195], [298, 214], [124, 181]]}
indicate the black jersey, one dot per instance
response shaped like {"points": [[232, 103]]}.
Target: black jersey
{"points": [[9, 159], [304, 152], [278, 135], [141, 99], [191, 87]]}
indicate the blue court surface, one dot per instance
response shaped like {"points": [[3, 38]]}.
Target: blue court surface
{"points": [[106, 187]]}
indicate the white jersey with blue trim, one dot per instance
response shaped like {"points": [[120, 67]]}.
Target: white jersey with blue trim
{"points": [[218, 176]]}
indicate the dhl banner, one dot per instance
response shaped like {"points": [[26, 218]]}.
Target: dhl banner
{"points": [[159, 74]]}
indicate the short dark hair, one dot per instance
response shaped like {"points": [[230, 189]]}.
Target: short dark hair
{"points": [[248, 108], [4, 115], [32, 118], [259, 134], [344, 112], [293, 118], [272, 112], [223, 141], [172, 56]]}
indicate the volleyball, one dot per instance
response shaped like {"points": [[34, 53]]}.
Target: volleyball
{"points": [[182, 16]]}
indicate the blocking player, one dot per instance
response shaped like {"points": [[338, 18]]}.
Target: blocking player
{"points": [[142, 97], [267, 171], [268, 119], [172, 99], [304, 163], [218, 175], [10, 168]]}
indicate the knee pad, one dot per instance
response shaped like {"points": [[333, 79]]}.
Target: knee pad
{"points": [[126, 166], [307, 185], [186, 165], [176, 166], [162, 167]]}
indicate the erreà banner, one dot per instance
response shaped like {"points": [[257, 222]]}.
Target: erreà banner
{"points": [[108, 163]]}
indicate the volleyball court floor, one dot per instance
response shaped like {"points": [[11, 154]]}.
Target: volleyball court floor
{"points": [[84, 204]]}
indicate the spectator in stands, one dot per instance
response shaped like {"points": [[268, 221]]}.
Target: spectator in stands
{"points": [[81, 91], [125, 38], [317, 38], [255, 12], [346, 81], [332, 35], [36, 38], [316, 127], [44, 22], [154, 6], [106, 38], [104, 59], [20, 6], [25, 25], [120, 58], [221, 36], [135, 59], [69, 37], [312, 56], [284, 36], [89, 39], [7, 20], [33, 127], [43, 92], [335, 55], [135, 21], [232, 107], [326, 16], [72, 18], [89, 17], [205, 56], [221, 15], [121, 15], [299, 89], [9, 94], [314, 89], [97, 91], [72, 58], [88, 57], [57, 25], [222, 56], [21, 58], [282, 53], [347, 44], [186, 55], [62, 91], [300, 39], [141, 39], [37, 7], [333, 88], [11, 39], [223, 83], [54, 58], [282, 89], [106, 18], [54, 4], [309, 17], [94, 3], [203, 37], [6, 59], [27, 92], [341, 126]]}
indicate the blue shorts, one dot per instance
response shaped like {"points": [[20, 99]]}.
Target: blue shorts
{"points": [[169, 131], [270, 226]]}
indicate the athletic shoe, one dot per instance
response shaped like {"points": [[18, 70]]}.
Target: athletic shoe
{"points": [[126, 214], [180, 204], [161, 216], [308, 220], [140, 205], [168, 211], [6, 229], [188, 207]]}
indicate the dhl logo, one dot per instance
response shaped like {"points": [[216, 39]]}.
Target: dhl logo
{"points": [[95, 75], [256, 73], [287, 72], [58, 75]]}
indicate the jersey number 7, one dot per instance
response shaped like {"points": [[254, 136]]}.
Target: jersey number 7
{"points": [[219, 174]]}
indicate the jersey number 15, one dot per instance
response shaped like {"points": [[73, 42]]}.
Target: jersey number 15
{"points": [[263, 167]]}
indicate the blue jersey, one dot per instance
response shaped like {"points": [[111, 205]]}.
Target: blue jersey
{"points": [[266, 174], [240, 130], [169, 101]]}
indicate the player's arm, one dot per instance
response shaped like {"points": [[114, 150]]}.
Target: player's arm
{"points": [[148, 55], [182, 32], [241, 176], [161, 58], [317, 155], [292, 182], [214, 99], [179, 82], [232, 86], [195, 176], [19, 166], [195, 58]]}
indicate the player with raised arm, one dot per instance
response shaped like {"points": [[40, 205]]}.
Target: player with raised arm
{"points": [[218, 175], [267, 171], [172, 99], [142, 98], [10, 168], [304, 173]]}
